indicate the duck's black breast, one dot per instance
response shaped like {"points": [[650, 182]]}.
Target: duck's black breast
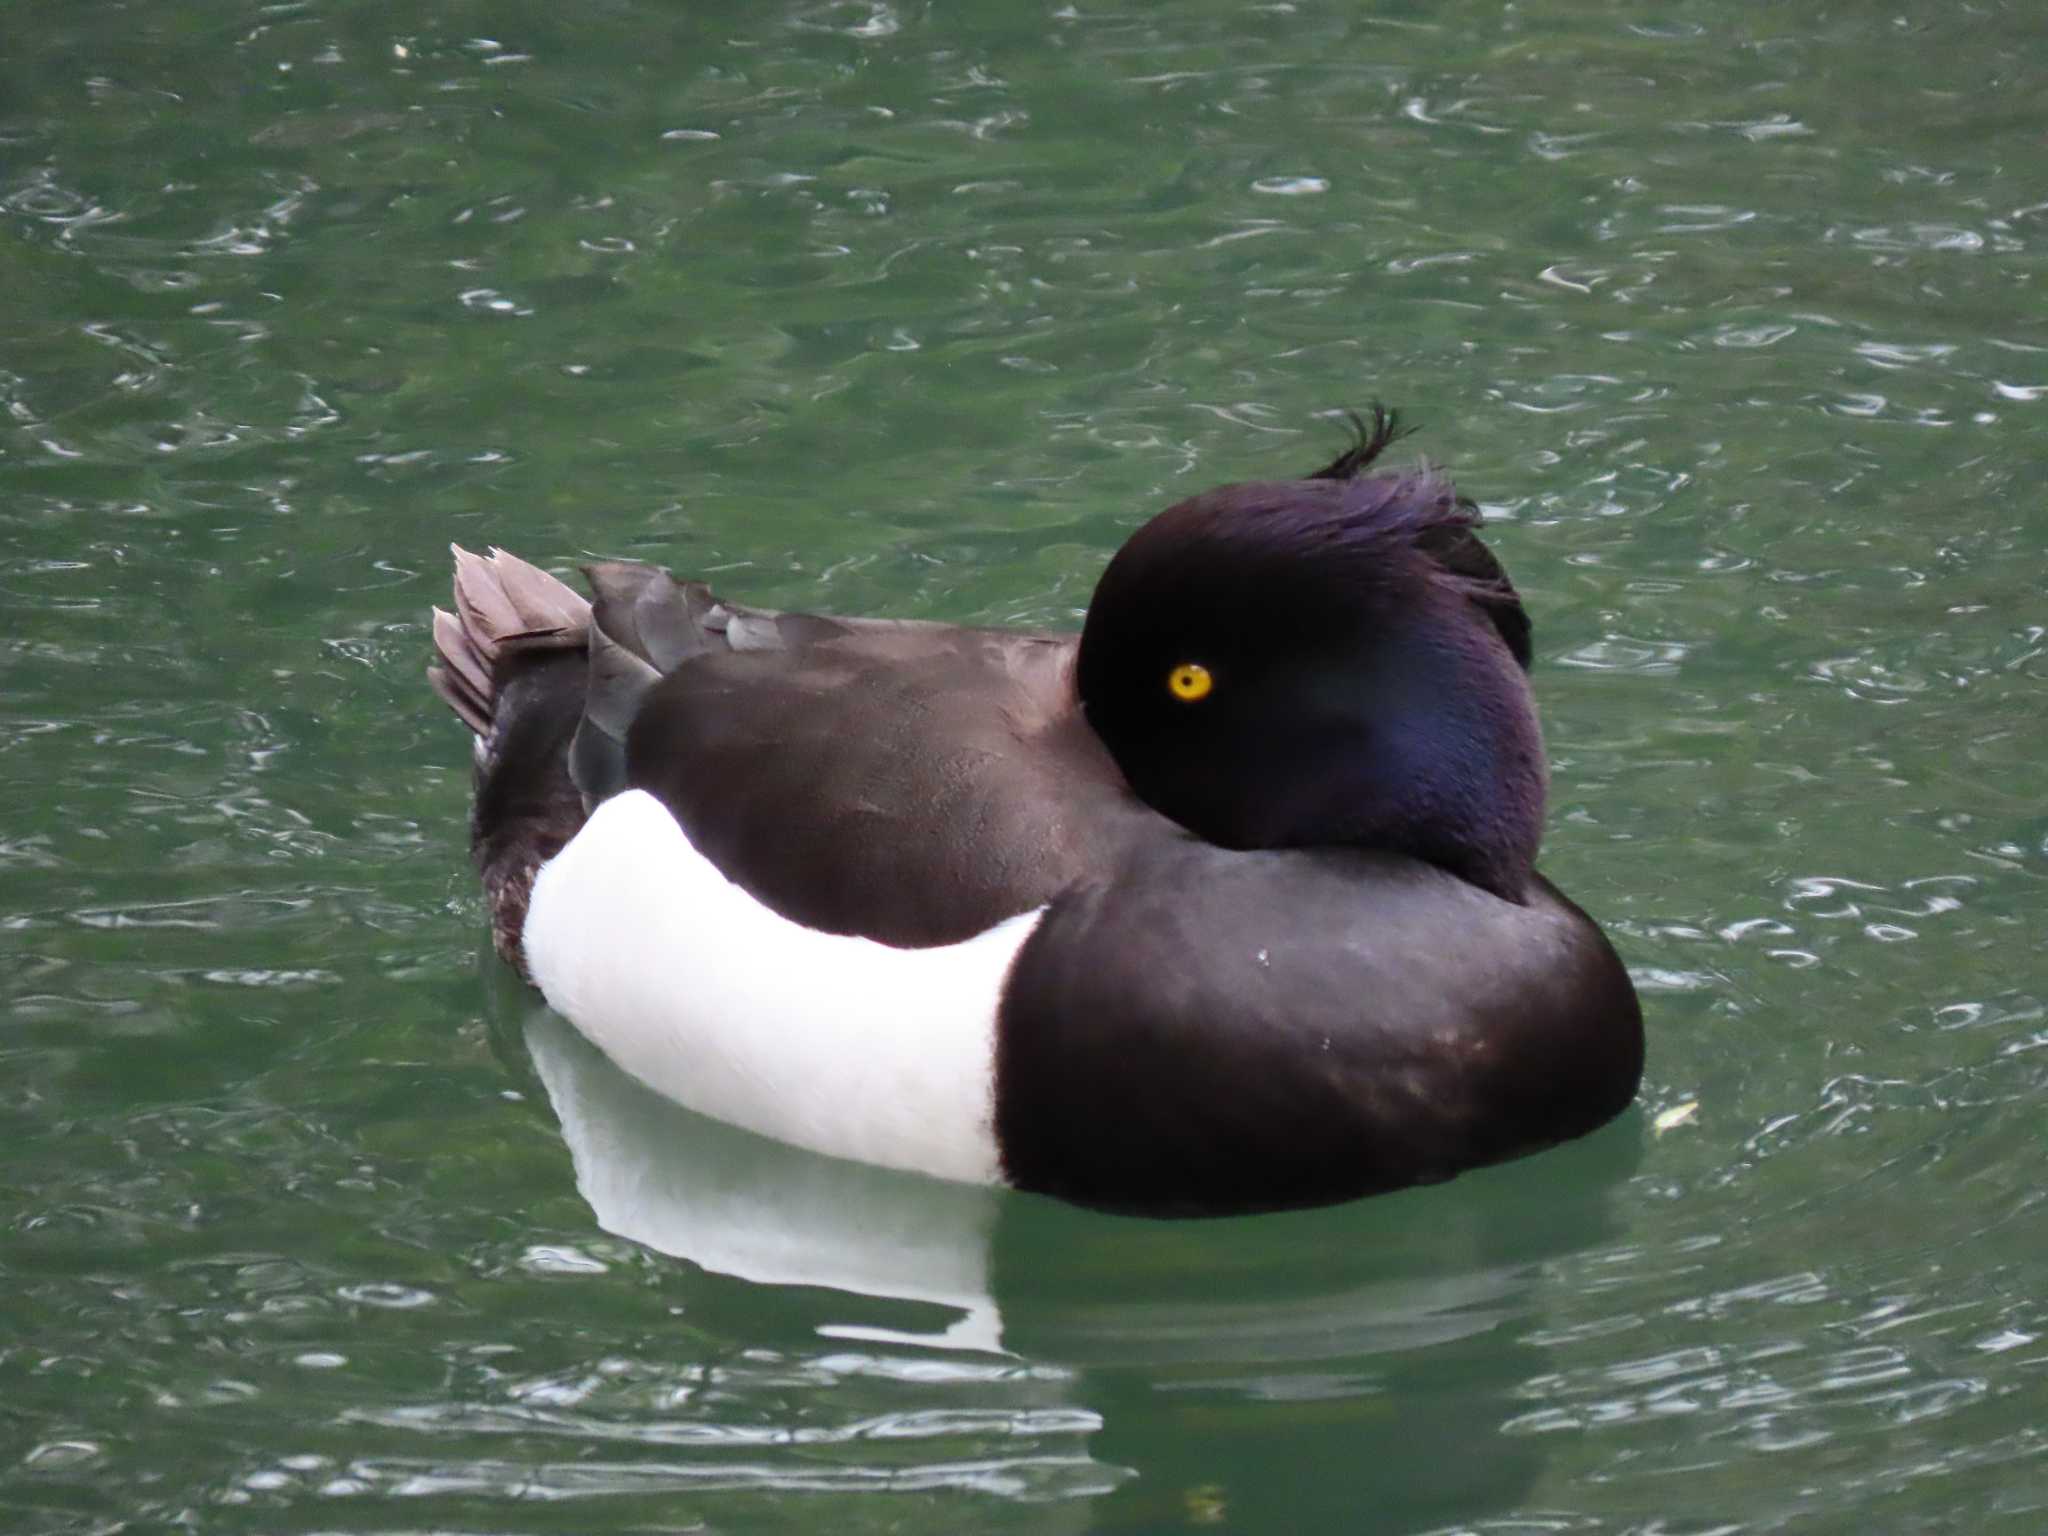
{"points": [[909, 783], [1208, 1031]]}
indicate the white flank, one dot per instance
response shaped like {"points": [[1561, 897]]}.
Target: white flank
{"points": [[841, 1045]]}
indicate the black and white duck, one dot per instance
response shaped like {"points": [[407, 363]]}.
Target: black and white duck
{"points": [[1227, 903]]}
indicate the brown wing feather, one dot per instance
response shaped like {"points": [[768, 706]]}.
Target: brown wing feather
{"points": [[909, 783]]}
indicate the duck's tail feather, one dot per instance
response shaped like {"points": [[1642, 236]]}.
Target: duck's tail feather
{"points": [[502, 605], [512, 664], [550, 684]]}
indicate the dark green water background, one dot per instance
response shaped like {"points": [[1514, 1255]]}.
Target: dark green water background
{"points": [[1729, 313]]}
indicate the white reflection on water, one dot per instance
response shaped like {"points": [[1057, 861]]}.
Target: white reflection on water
{"points": [[741, 1205], [755, 1209]]}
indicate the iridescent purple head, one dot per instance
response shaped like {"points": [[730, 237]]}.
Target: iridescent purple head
{"points": [[1332, 661]]}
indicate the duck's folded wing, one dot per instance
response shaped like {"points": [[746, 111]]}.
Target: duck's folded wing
{"points": [[912, 783]]}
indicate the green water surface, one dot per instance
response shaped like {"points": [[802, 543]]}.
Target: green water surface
{"points": [[1730, 315]]}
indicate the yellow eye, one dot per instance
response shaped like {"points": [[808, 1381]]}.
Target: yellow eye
{"points": [[1189, 681]]}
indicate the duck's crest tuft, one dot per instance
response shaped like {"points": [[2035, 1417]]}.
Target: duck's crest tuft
{"points": [[1374, 439]]}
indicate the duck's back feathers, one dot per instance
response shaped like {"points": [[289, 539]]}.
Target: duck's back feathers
{"points": [[899, 781]]}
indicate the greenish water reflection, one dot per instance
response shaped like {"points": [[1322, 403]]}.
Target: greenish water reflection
{"points": [[1725, 312]]}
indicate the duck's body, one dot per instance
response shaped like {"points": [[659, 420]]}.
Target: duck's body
{"points": [[979, 903]]}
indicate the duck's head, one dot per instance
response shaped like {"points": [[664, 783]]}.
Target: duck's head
{"points": [[1332, 661]]}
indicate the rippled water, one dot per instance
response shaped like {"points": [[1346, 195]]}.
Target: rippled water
{"points": [[1729, 315]]}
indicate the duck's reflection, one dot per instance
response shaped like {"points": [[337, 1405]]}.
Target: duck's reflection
{"points": [[1269, 1372], [736, 1204]]}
